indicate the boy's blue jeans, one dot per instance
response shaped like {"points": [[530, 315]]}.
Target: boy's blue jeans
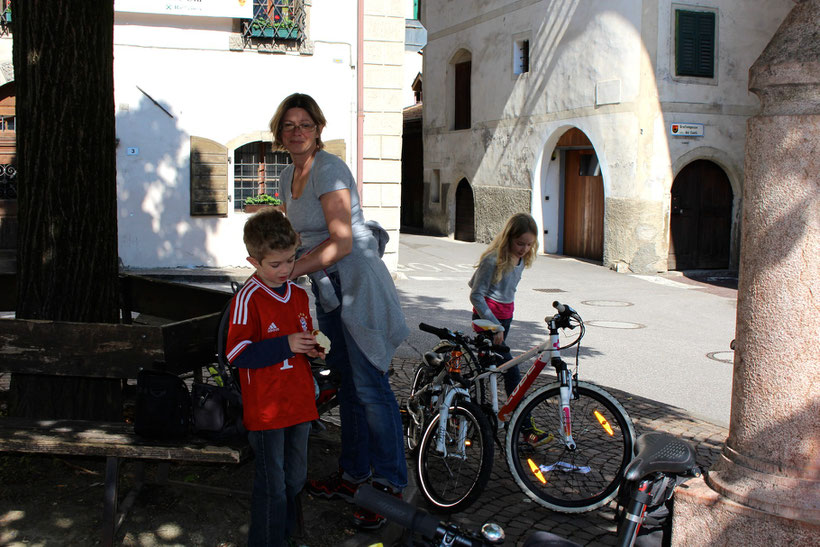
{"points": [[279, 475], [372, 436]]}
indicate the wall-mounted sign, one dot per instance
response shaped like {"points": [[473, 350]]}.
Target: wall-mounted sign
{"points": [[240, 9], [686, 129]]}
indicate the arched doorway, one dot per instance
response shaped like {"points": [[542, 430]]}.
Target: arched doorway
{"points": [[583, 197], [465, 212], [700, 223]]}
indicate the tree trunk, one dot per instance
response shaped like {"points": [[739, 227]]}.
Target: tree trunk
{"points": [[67, 238]]}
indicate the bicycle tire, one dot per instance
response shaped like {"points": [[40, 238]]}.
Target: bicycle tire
{"points": [[574, 481], [452, 483], [422, 375]]}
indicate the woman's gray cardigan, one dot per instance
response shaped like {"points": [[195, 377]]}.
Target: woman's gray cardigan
{"points": [[371, 311]]}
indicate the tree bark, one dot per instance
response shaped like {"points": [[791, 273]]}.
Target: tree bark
{"points": [[67, 238]]}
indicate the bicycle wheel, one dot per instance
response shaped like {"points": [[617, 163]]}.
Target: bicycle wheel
{"points": [[423, 374], [451, 482], [570, 481]]}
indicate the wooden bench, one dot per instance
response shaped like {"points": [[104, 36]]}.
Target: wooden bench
{"points": [[115, 442], [179, 337]]}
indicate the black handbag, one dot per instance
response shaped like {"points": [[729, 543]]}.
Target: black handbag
{"points": [[217, 413], [217, 409]]}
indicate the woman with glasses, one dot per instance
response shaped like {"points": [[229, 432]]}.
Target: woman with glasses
{"points": [[357, 306]]}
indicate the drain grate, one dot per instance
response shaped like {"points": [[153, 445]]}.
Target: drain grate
{"points": [[550, 290]]}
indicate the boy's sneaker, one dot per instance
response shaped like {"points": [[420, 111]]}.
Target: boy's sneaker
{"points": [[364, 519], [537, 439], [335, 487], [533, 435]]}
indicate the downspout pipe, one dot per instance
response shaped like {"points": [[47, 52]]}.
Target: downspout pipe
{"points": [[360, 97]]}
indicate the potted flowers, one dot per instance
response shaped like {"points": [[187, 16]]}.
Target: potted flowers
{"points": [[254, 203]]}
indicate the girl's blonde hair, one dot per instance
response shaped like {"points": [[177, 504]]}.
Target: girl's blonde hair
{"points": [[518, 225]]}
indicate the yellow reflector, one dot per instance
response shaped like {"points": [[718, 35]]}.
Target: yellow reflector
{"points": [[536, 471], [604, 423], [468, 442]]}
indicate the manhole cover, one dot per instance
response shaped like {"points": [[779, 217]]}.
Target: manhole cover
{"points": [[615, 324], [550, 290], [722, 356], [607, 303]]}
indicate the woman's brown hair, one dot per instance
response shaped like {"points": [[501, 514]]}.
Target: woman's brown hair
{"points": [[305, 102]]}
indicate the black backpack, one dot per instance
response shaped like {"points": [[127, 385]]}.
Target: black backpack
{"points": [[163, 409]]}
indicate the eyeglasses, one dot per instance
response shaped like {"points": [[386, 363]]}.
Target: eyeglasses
{"points": [[288, 127]]}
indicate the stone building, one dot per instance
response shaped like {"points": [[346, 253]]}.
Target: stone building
{"points": [[619, 125], [196, 83]]}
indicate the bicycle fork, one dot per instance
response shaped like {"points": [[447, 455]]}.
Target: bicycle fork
{"points": [[565, 392], [444, 416]]}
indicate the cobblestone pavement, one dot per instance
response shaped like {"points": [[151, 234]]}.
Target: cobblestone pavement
{"points": [[504, 503], [56, 501]]}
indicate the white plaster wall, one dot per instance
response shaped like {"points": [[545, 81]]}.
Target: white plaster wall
{"points": [[186, 66]]}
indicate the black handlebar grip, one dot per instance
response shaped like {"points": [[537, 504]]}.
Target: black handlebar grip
{"points": [[500, 348], [440, 332], [396, 510], [558, 306]]}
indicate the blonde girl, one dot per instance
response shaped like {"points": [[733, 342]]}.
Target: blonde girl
{"points": [[496, 278]]}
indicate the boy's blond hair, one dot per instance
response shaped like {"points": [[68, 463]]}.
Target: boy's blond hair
{"points": [[268, 230]]}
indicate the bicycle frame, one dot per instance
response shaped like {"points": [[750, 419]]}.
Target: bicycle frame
{"points": [[565, 378]]}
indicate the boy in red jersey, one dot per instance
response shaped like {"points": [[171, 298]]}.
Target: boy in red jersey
{"points": [[269, 336]]}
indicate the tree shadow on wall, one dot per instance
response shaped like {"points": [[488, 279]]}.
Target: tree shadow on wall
{"points": [[153, 191]]}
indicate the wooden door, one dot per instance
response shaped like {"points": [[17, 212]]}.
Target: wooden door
{"points": [[465, 212], [701, 218], [583, 206]]}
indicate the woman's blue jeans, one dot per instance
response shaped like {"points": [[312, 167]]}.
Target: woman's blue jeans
{"points": [[372, 437], [279, 475]]}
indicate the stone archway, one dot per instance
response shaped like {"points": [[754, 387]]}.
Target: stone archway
{"points": [[465, 212]]}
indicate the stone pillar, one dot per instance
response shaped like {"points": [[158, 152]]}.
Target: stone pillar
{"points": [[765, 488]]}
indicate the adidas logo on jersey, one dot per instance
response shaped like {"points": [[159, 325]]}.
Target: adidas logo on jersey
{"points": [[273, 327]]}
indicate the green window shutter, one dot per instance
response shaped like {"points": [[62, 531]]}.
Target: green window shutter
{"points": [[209, 178], [695, 43]]}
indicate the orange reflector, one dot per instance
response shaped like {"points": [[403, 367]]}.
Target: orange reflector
{"points": [[468, 442], [604, 423], [536, 471]]}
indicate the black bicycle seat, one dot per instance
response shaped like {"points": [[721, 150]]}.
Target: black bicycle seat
{"points": [[660, 452]]}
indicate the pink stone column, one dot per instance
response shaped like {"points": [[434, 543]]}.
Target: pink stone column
{"points": [[765, 488]]}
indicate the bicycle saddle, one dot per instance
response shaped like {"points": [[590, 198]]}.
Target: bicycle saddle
{"points": [[660, 452]]}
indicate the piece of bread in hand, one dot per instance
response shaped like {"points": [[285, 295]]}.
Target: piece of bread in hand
{"points": [[322, 341]]}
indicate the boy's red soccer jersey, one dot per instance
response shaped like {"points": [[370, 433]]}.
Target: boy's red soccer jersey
{"points": [[282, 394]]}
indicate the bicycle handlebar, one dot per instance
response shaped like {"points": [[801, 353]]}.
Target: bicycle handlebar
{"points": [[563, 309], [445, 334], [411, 518], [393, 509]]}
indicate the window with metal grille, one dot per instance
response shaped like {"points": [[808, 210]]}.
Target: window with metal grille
{"points": [[275, 19], [8, 181], [256, 171], [695, 43]]}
